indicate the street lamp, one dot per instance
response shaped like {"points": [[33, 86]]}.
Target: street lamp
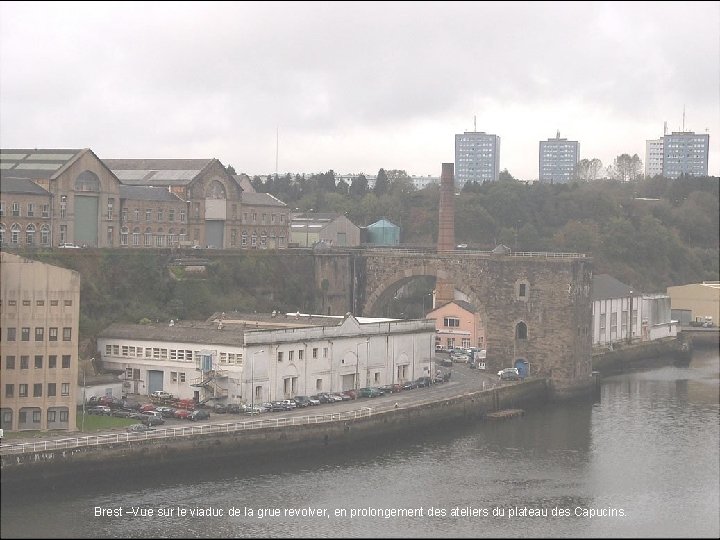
{"points": [[252, 381], [367, 362], [630, 318]]}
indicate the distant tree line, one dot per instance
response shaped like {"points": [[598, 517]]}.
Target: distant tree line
{"points": [[646, 243]]}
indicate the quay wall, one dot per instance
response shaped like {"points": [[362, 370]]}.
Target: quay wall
{"points": [[89, 461], [663, 352]]}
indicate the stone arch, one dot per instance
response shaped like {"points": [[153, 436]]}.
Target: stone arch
{"points": [[216, 190], [87, 181], [392, 282]]}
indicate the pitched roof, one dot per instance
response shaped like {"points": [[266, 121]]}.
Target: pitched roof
{"points": [[147, 193], [243, 181], [605, 286], [157, 172], [383, 223], [35, 163], [260, 199], [21, 185], [467, 306]]}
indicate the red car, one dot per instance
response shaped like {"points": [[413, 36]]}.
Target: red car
{"points": [[147, 407], [183, 414]]}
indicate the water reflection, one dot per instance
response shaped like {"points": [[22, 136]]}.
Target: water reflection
{"points": [[648, 447]]}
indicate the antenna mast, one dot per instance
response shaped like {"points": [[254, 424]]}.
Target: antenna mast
{"points": [[683, 119]]}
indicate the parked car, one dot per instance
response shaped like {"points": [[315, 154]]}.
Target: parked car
{"points": [[289, 404], [153, 420], [313, 400], [68, 245], [139, 428], [410, 385], [199, 415], [235, 408], [166, 412], [101, 410], [122, 413], [161, 394], [277, 406], [182, 414], [147, 407], [371, 392], [509, 374], [423, 382], [324, 397], [352, 393], [302, 401], [220, 409]]}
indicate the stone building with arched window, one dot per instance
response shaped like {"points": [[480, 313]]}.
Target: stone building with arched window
{"points": [[80, 203]]}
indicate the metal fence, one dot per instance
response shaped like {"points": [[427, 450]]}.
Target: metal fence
{"points": [[182, 431]]}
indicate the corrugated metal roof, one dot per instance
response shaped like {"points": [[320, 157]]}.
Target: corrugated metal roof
{"points": [[34, 163], [149, 177], [157, 164]]}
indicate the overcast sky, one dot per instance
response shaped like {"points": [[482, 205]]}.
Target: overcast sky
{"points": [[355, 86]]}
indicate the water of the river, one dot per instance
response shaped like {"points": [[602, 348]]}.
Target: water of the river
{"points": [[645, 455]]}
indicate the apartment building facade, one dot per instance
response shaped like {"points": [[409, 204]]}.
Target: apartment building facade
{"points": [[685, 152], [558, 160], [477, 158], [39, 320]]}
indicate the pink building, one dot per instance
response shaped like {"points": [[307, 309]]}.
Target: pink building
{"points": [[457, 324]]}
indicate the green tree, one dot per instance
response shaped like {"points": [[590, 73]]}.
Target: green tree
{"points": [[382, 183], [505, 176], [359, 186], [626, 168]]}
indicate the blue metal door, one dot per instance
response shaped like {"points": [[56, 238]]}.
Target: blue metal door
{"points": [[523, 367]]}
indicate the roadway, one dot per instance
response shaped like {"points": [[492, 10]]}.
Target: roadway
{"points": [[462, 381]]}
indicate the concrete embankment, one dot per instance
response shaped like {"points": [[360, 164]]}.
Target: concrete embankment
{"points": [[645, 355], [89, 461]]}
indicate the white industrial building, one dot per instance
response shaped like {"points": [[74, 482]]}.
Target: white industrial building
{"points": [[621, 314], [234, 358]]}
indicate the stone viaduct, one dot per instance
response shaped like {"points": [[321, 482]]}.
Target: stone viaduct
{"points": [[535, 307]]}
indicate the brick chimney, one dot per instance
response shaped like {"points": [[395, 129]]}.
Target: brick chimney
{"points": [[446, 230], [446, 222]]}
